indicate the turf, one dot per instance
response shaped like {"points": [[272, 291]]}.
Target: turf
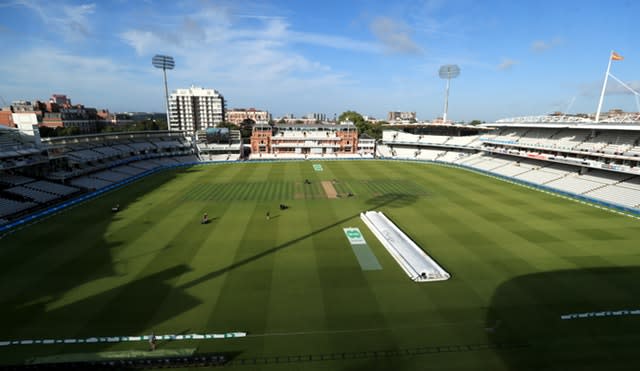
{"points": [[518, 258], [105, 356]]}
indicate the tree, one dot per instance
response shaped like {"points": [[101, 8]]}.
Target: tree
{"points": [[374, 130], [246, 127], [475, 122], [352, 116], [356, 118], [229, 125]]}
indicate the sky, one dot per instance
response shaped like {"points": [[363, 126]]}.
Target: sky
{"points": [[516, 58]]}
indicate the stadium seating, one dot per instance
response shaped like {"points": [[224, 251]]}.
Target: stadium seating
{"points": [[618, 194], [605, 177], [109, 175], [14, 179], [35, 195], [575, 184], [463, 141], [428, 154], [633, 183], [384, 151], [89, 183], [542, 175], [515, 168], [451, 156], [128, 170], [489, 163], [9, 207], [54, 188]]}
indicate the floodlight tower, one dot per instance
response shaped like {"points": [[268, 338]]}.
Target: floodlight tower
{"points": [[448, 71], [166, 63]]}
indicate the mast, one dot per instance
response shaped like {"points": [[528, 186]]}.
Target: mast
{"points": [[604, 86]]}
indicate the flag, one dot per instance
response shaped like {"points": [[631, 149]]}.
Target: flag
{"points": [[616, 57]]}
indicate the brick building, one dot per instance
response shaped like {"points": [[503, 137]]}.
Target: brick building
{"points": [[320, 139]]}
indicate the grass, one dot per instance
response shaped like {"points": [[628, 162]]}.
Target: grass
{"points": [[518, 258]]}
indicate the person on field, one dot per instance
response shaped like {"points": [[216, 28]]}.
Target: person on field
{"points": [[268, 216], [152, 342]]}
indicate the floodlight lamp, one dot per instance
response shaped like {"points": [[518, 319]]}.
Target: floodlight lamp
{"points": [[163, 61], [449, 71]]}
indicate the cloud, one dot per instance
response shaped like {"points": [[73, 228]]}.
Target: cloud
{"points": [[507, 64], [76, 18], [62, 71], [394, 35], [615, 88], [592, 89], [245, 59], [72, 22], [540, 46]]}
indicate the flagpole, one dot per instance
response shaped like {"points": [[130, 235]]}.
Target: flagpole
{"points": [[604, 86]]}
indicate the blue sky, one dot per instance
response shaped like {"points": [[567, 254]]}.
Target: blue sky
{"points": [[517, 57]]}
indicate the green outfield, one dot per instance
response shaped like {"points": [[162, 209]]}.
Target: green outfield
{"points": [[519, 260]]}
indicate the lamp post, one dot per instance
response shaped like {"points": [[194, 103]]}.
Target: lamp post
{"points": [[448, 71], [164, 62]]}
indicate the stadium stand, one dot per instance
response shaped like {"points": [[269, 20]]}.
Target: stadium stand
{"points": [[128, 170], [515, 168], [90, 183], [50, 187], [631, 183], [600, 162], [621, 195], [451, 156], [462, 141], [9, 207], [574, 184], [14, 179], [428, 154], [37, 196], [83, 163]]}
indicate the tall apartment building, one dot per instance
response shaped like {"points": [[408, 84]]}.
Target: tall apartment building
{"points": [[195, 109]]}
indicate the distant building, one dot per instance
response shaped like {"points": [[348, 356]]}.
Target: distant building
{"points": [[316, 117], [238, 115], [85, 119], [57, 112], [319, 139], [61, 100], [195, 109], [6, 119], [21, 106], [309, 119], [401, 116]]}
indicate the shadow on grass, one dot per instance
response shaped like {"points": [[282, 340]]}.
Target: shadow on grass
{"points": [[584, 319], [383, 202], [395, 200], [43, 271]]}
